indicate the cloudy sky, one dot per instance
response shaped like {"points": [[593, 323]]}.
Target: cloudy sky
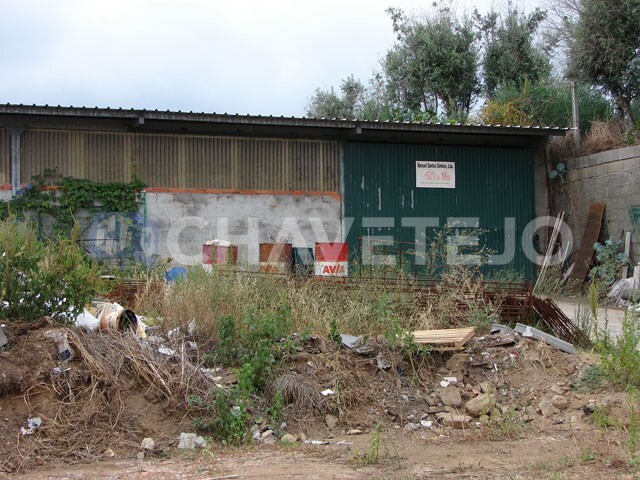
{"points": [[241, 56]]}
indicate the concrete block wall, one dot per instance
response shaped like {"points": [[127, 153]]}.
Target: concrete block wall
{"points": [[612, 177], [179, 223]]}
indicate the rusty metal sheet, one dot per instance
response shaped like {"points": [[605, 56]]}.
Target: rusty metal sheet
{"points": [[585, 254]]}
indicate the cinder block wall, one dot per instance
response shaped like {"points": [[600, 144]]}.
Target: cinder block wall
{"points": [[179, 223], [612, 177]]}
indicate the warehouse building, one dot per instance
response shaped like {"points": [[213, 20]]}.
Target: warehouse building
{"points": [[251, 179]]}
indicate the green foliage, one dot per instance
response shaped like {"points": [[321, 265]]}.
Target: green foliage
{"points": [[620, 357], [546, 103], [604, 42], [355, 100], [230, 421], [334, 331], [511, 58], [378, 444], [591, 379], [43, 277], [433, 67], [276, 409], [50, 196], [610, 260]]}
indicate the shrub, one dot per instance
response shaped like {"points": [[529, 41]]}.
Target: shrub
{"points": [[620, 357], [43, 277]]}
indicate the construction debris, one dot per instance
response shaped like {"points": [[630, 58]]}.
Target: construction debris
{"points": [[444, 339], [528, 331]]}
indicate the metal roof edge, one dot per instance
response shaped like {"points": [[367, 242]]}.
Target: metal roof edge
{"points": [[179, 116]]}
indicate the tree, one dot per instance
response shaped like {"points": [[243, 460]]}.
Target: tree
{"points": [[432, 68], [329, 104], [546, 103], [354, 101], [604, 50], [511, 56]]}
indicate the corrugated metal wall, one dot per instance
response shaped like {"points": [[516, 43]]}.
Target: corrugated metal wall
{"points": [[5, 158], [176, 161], [491, 184]]}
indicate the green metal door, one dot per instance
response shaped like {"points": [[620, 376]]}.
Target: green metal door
{"points": [[495, 186]]}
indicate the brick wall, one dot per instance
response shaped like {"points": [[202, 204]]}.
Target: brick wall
{"points": [[612, 177]]}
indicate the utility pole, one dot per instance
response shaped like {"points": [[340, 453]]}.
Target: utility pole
{"points": [[574, 112]]}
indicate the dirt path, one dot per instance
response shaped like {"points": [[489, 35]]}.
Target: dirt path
{"points": [[558, 453], [608, 317]]}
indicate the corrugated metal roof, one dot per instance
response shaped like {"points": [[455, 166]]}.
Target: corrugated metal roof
{"points": [[281, 121]]}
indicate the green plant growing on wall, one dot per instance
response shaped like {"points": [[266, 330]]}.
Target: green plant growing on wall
{"points": [[62, 198]]}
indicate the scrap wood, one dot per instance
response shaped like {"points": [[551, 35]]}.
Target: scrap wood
{"points": [[552, 244], [585, 254], [447, 339]]}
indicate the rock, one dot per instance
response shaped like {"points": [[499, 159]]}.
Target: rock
{"points": [[458, 362], [450, 396], [269, 440], [288, 438], [480, 405], [302, 437], [547, 409], [354, 431], [560, 402], [331, 421], [431, 401], [148, 444], [266, 434], [140, 456], [454, 420], [409, 427], [190, 441], [485, 387], [557, 389]]}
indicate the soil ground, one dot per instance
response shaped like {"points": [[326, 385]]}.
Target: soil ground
{"points": [[548, 420]]}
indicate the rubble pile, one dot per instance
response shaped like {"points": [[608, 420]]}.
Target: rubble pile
{"points": [[107, 393]]}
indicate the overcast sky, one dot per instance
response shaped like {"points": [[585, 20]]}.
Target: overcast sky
{"points": [[241, 56]]}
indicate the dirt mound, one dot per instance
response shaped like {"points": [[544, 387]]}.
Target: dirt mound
{"points": [[116, 390], [119, 389]]}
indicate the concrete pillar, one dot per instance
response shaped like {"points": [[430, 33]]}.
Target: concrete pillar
{"points": [[15, 134]]}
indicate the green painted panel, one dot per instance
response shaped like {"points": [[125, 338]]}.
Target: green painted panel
{"points": [[493, 185]]}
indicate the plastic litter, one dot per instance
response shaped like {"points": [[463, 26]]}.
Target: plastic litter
{"points": [[87, 320], [65, 352], [33, 424], [3, 338]]}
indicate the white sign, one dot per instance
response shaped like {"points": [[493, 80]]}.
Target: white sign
{"points": [[435, 174]]}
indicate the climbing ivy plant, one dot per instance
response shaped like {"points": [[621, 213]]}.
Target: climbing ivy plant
{"points": [[60, 199]]}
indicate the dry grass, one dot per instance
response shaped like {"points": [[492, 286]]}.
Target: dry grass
{"points": [[604, 136], [88, 408], [358, 307]]}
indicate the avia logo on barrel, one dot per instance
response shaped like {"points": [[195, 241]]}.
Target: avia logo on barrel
{"points": [[331, 269]]}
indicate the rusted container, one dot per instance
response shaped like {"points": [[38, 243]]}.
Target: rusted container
{"points": [[219, 255], [276, 257], [332, 260], [120, 320]]}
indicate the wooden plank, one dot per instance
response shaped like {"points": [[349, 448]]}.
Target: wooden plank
{"points": [[455, 338], [584, 257]]}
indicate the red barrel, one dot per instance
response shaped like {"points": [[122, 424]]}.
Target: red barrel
{"points": [[332, 260], [219, 255], [276, 257]]}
